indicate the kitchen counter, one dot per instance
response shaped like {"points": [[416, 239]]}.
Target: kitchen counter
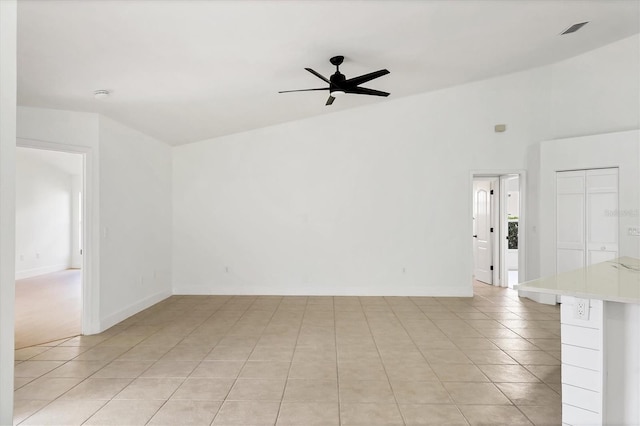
{"points": [[615, 281], [600, 339]]}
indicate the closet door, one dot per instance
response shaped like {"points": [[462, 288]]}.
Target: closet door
{"points": [[602, 215], [586, 218], [570, 220]]}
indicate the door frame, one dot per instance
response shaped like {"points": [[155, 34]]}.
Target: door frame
{"points": [[499, 239], [90, 244]]}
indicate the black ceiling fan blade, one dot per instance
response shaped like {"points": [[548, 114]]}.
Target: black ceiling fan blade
{"points": [[317, 74], [365, 91], [355, 81], [303, 90], [330, 100]]}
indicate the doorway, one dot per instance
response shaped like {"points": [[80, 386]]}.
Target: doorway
{"points": [[49, 245], [497, 228]]}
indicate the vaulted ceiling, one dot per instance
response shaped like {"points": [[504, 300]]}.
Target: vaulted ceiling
{"points": [[184, 71]]}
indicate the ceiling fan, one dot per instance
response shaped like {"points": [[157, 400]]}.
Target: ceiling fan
{"points": [[339, 85]]}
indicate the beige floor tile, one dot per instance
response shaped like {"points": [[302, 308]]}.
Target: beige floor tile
{"points": [[28, 353], [496, 357], [125, 412], [80, 369], [308, 413], [213, 389], [476, 343], [46, 388], [546, 373], [370, 414], [187, 353], [150, 388], [121, 369], [313, 370], [420, 393], [107, 353], [314, 354], [365, 391], [272, 353], [35, 368], [430, 343], [170, 369], [475, 393], [515, 344], [529, 393], [65, 412], [257, 390], [19, 382], [26, 407], [144, 353], [533, 357], [365, 370], [247, 413], [499, 333], [123, 340], [220, 369], [459, 373], [546, 415], [432, 414], [416, 371], [508, 373], [185, 412], [96, 389], [87, 341], [265, 370], [60, 353], [446, 356], [552, 344], [310, 390], [493, 415]]}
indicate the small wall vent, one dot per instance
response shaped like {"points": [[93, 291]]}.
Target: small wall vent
{"points": [[574, 28]]}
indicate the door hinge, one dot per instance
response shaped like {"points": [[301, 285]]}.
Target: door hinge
{"points": [[491, 192], [490, 229], [492, 267]]}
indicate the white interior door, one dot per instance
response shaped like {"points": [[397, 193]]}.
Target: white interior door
{"points": [[570, 220], [586, 217], [482, 250], [602, 215]]}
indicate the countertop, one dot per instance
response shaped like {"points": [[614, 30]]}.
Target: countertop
{"points": [[616, 280]]}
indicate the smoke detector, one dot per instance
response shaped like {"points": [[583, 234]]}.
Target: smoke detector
{"points": [[101, 94]]}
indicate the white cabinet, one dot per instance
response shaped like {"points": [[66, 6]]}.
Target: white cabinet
{"points": [[586, 217]]}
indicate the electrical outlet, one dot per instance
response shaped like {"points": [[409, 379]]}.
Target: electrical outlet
{"points": [[581, 309]]}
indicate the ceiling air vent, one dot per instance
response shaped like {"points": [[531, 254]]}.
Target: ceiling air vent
{"points": [[574, 28]]}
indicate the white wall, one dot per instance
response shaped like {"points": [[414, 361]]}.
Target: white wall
{"points": [[622, 150], [43, 217], [597, 92], [129, 200], [135, 221], [375, 200], [367, 201], [76, 221], [8, 89]]}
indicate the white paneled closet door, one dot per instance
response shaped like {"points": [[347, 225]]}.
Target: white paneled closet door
{"points": [[586, 217]]}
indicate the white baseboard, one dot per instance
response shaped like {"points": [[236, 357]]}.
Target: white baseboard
{"points": [[428, 292], [28, 273], [113, 319]]}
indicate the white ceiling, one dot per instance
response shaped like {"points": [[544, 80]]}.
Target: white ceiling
{"points": [[184, 71]]}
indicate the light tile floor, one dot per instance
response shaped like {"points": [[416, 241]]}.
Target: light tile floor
{"points": [[217, 360]]}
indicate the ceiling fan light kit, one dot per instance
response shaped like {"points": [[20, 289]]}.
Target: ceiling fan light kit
{"points": [[339, 85]]}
